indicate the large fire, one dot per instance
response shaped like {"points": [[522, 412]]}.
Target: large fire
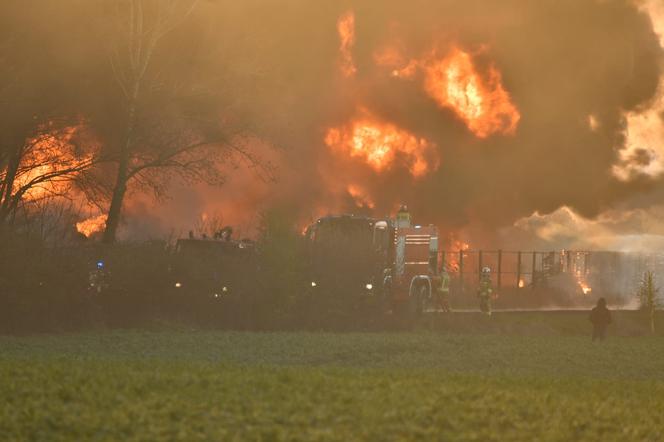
{"points": [[92, 225], [379, 144], [454, 82], [49, 164], [480, 101], [346, 30]]}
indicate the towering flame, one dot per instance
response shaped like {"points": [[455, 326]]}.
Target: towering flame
{"points": [[379, 144], [480, 101], [455, 83], [346, 30]]}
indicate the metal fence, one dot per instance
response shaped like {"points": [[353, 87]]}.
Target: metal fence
{"points": [[610, 271]]}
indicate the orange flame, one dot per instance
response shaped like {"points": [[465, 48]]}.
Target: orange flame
{"points": [[585, 288], [360, 196], [452, 259], [379, 143], [92, 225], [46, 164], [480, 101], [454, 82], [580, 273], [346, 30]]}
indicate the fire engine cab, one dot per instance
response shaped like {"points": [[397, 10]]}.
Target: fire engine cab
{"points": [[390, 259], [411, 261]]}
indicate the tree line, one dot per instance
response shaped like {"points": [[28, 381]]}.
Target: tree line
{"points": [[100, 98]]}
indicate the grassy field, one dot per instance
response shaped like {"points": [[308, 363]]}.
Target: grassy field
{"points": [[550, 384]]}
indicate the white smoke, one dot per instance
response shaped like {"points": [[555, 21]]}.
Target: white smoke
{"points": [[615, 230]]}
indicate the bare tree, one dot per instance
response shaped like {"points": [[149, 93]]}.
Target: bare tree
{"points": [[167, 122], [40, 130], [158, 140], [45, 165]]}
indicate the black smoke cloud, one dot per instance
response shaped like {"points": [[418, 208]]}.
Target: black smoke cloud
{"points": [[560, 61], [275, 64]]}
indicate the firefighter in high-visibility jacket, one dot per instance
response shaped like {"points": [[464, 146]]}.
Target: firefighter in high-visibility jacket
{"points": [[442, 288], [485, 290]]}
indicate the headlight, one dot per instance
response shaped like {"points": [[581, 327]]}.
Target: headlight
{"points": [[178, 285], [224, 289], [313, 284], [369, 286]]}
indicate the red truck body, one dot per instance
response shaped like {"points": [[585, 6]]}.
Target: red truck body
{"points": [[415, 259]]}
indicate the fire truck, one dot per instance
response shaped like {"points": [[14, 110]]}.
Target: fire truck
{"points": [[213, 267], [342, 257], [388, 259]]}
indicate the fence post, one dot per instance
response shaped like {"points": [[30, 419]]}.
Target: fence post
{"points": [[500, 268], [569, 261], [532, 270], [518, 269]]}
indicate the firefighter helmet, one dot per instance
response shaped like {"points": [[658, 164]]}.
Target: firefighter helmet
{"points": [[486, 271]]}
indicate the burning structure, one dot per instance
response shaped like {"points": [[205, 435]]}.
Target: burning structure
{"points": [[436, 106]]}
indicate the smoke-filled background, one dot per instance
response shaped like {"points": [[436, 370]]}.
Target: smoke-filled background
{"points": [[520, 123]]}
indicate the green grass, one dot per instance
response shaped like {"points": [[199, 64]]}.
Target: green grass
{"points": [[193, 385]]}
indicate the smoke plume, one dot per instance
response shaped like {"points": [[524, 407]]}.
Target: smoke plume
{"points": [[512, 121]]}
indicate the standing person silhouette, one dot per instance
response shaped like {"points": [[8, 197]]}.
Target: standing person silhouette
{"points": [[600, 317], [441, 283]]}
